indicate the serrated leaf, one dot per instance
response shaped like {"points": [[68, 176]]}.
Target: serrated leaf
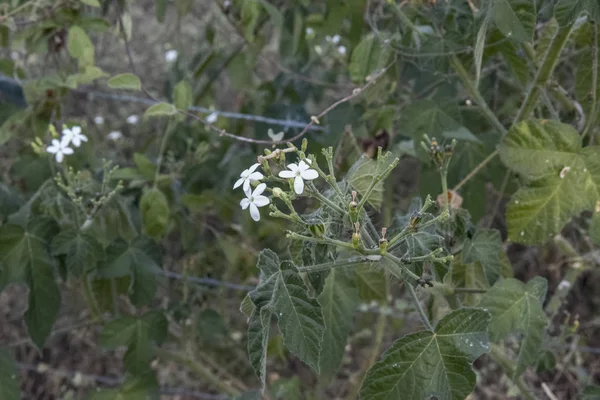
{"points": [[485, 247], [80, 46], [247, 306], [281, 292], [9, 378], [182, 95], [362, 173], [371, 282], [154, 208], [515, 18], [138, 335], [126, 81], [426, 363], [160, 110], [138, 259], [517, 307], [567, 11], [479, 47], [465, 275], [365, 58], [82, 251], [339, 300]]}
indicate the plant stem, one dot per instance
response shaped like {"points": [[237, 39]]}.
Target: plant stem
{"points": [[469, 290], [399, 263], [476, 95], [337, 264], [591, 118], [509, 369], [419, 308], [163, 147], [544, 72], [444, 179], [315, 193], [476, 170], [199, 369], [89, 297], [323, 240]]}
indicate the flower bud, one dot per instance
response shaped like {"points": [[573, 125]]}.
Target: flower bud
{"points": [[277, 192], [304, 145]]}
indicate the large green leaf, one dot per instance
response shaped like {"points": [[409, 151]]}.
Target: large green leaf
{"points": [[339, 300], [282, 293], [365, 58], [515, 18], [137, 334], [371, 282], [154, 208], [426, 363], [362, 173], [465, 275], [517, 307], [567, 11], [82, 251], [9, 379], [485, 247], [80, 46], [139, 259]]}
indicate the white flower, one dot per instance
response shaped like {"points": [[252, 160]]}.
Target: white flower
{"points": [[59, 149], [132, 119], [171, 55], [342, 50], [299, 172], [99, 120], [114, 135], [248, 176], [254, 200], [309, 31], [335, 39], [318, 50], [74, 136], [212, 118]]}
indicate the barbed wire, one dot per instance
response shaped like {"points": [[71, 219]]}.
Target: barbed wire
{"points": [[79, 379]]}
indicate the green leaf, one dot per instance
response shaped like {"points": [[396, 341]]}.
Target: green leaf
{"points": [[273, 12], [567, 11], [365, 58], [107, 291], [160, 110], [125, 81], [154, 208], [183, 7], [515, 18], [92, 3], [161, 10], [182, 95], [517, 307], [82, 251], [595, 227], [137, 334], [143, 387], [463, 275], [9, 378], [426, 363], [339, 300], [362, 173], [590, 393], [138, 259], [485, 247], [371, 282], [144, 165], [479, 47], [546, 35], [80, 46], [283, 294]]}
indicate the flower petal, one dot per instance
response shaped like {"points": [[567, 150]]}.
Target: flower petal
{"points": [[259, 189], [302, 166], [309, 174], [298, 185], [261, 201], [76, 130], [76, 142], [253, 167], [255, 176], [59, 157], [83, 138], [67, 150], [293, 167], [52, 149], [238, 183], [287, 174], [244, 203], [246, 186], [254, 213]]}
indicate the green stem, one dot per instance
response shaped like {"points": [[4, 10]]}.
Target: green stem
{"points": [[509, 369], [444, 178], [315, 193], [469, 290], [323, 240], [328, 178], [399, 263], [591, 118], [199, 369], [476, 95], [338, 264], [89, 296], [549, 62], [163, 147], [419, 308]]}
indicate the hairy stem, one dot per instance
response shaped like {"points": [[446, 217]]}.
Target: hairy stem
{"points": [[419, 308]]}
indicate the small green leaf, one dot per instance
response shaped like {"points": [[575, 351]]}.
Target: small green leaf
{"points": [[80, 46], [371, 282], [485, 247], [567, 11], [82, 251], [479, 47], [517, 307], [9, 378], [362, 173], [365, 59], [515, 18], [154, 208], [595, 228], [339, 300], [125, 81], [273, 12], [161, 10], [182, 95], [546, 34], [426, 363], [92, 3], [160, 110]]}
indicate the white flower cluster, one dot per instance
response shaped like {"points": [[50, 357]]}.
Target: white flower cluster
{"points": [[299, 172], [60, 148]]}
